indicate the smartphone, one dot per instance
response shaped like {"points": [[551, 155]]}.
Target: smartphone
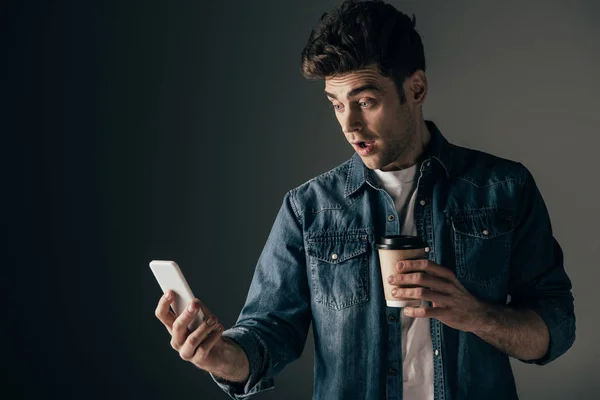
{"points": [[169, 277]]}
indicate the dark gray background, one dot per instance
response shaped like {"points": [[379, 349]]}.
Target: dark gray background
{"points": [[145, 130]]}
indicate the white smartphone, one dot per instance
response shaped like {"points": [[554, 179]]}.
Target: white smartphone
{"points": [[169, 277]]}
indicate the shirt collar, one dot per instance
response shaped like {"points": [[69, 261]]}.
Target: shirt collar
{"points": [[438, 149]]}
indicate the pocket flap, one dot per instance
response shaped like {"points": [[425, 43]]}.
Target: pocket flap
{"points": [[485, 225], [336, 252]]}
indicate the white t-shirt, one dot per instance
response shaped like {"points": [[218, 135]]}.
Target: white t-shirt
{"points": [[417, 347]]}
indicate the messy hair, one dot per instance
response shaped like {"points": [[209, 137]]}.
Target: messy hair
{"points": [[360, 33]]}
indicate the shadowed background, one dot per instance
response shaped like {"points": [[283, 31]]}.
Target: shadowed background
{"points": [[145, 130]]}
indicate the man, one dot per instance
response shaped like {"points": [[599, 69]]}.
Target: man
{"points": [[485, 223]]}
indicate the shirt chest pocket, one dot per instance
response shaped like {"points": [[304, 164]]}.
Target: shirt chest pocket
{"points": [[339, 270], [482, 242]]}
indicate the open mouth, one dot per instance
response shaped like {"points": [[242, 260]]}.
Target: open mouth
{"points": [[364, 145], [364, 148]]}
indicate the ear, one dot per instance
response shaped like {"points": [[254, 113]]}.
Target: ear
{"points": [[417, 87]]}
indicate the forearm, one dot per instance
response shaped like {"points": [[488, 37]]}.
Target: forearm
{"points": [[520, 333], [235, 367]]}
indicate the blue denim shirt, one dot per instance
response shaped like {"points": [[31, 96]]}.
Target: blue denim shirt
{"points": [[461, 193]]}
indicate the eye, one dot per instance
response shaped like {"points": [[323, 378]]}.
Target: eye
{"points": [[336, 107], [365, 104]]}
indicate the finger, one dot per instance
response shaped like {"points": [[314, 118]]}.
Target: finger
{"points": [[180, 326], [205, 347], [197, 337], [419, 293], [428, 266], [422, 279], [163, 312], [425, 312], [205, 311]]}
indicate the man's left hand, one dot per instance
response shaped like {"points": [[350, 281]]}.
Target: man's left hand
{"points": [[452, 303]]}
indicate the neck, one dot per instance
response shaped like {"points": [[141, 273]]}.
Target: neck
{"points": [[422, 138]]}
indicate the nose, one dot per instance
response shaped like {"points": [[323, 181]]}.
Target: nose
{"points": [[350, 120]]}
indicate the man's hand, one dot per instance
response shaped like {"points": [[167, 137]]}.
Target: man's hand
{"points": [[204, 346], [452, 303], [194, 346], [520, 333]]}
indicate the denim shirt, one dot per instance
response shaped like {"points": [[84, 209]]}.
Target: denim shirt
{"points": [[482, 217]]}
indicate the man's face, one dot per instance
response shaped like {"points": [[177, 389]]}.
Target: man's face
{"points": [[367, 106]]}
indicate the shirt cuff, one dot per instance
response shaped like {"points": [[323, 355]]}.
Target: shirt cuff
{"points": [[561, 330]]}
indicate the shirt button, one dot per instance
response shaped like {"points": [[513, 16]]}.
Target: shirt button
{"points": [[392, 372], [437, 352], [390, 217], [391, 318], [428, 163], [334, 256], [427, 249], [486, 232], [422, 202]]}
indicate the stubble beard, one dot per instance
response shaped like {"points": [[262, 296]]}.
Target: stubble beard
{"points": [[403, 146]]}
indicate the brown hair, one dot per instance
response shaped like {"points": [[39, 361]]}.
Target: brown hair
{"points": [[359, 33]]}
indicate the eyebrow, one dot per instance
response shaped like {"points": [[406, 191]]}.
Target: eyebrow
{"points": [[360, 89]]}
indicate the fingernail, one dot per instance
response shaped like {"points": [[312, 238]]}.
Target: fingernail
{"points": [[167, 296], [394, 292], [191, 308], [210, 321], [391, 279], [401, 265]]}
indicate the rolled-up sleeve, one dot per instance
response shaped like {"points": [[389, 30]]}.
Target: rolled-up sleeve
{"points": [[273, 324], [538, 280]]}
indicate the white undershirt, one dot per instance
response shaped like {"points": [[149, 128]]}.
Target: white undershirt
{"points": [[417, 348]]}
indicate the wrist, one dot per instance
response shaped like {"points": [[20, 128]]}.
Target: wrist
{"points": [[488, 319], [234, 366]]}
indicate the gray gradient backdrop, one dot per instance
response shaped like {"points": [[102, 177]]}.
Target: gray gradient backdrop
{"points": [[171, 130]]}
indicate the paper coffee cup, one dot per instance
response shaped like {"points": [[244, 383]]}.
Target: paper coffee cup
{"points": [[392, 249]]}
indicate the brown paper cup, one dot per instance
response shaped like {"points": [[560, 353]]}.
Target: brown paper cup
{"points": [[392, 249]]}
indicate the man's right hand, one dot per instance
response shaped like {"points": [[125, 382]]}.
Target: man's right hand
{"points": [[204, 346]]}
